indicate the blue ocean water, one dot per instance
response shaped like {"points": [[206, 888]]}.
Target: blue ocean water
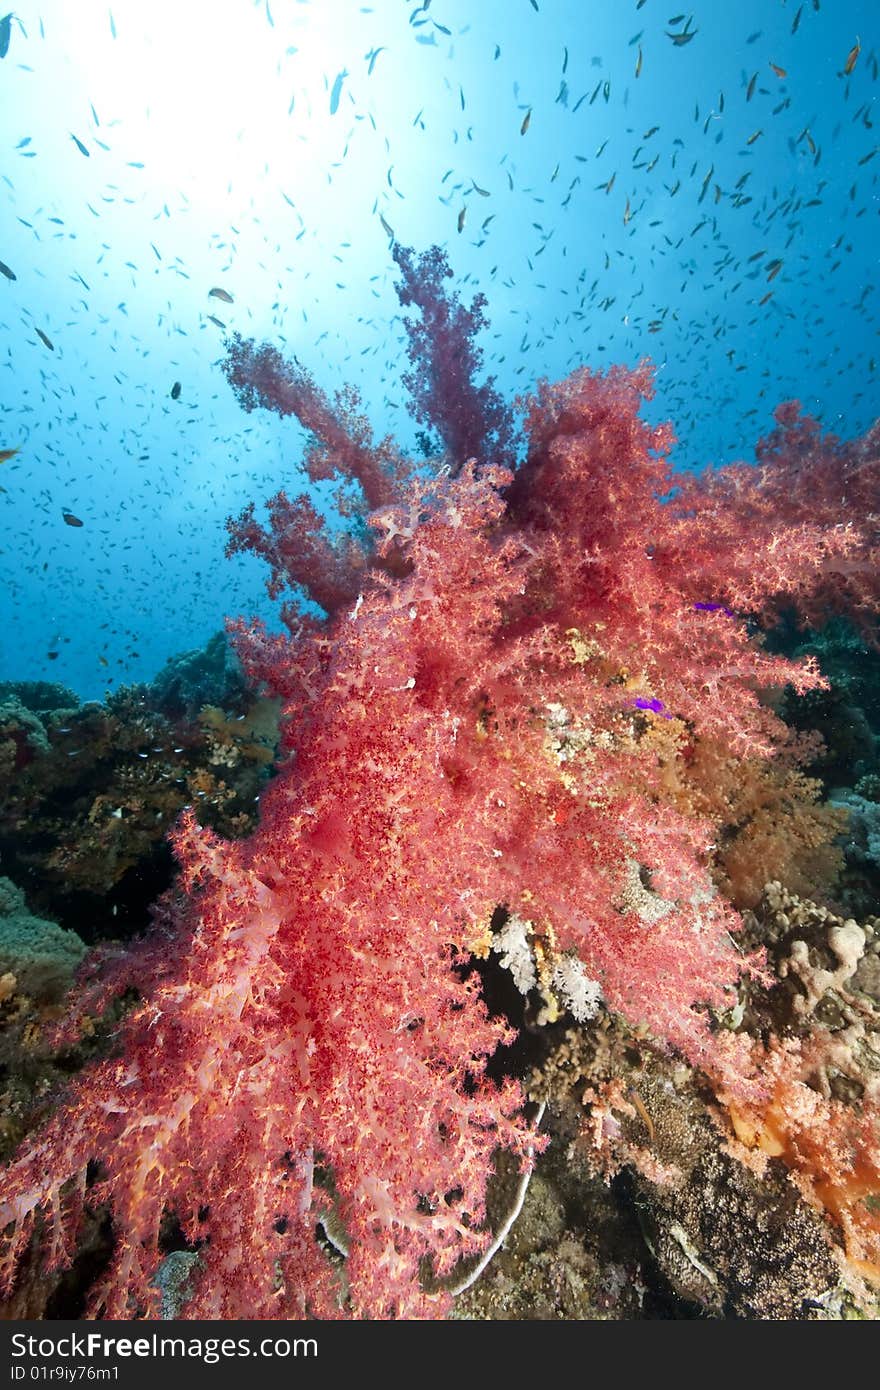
{"points": [[619, 179]]}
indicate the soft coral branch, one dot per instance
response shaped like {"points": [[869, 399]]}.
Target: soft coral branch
{"points": [[341, 443], [472, 421], [299, 550], [296, 544], [800, 528]]}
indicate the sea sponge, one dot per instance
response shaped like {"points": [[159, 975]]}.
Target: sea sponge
{"points": [[40, 955]]}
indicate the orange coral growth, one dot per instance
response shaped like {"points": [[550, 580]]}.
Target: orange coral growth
{"points": [[831, 1148], [772, 824]]}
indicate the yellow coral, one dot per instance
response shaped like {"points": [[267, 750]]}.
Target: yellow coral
{"points": [[253, 735], [772, 822]]}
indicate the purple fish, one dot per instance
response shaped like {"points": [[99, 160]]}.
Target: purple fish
{"points": [[655, 706], [714, 608]]}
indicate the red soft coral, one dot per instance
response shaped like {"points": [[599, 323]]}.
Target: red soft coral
{"points": [[468, 729]]}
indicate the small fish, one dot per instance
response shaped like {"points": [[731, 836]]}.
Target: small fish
{"points": [[461, 218], [386, 227], [653, 706], [686, 34], [41, 335], [7, 454], [639, 63], [219, 322], [755, 135], [714, 608], [70, 519], [750, 90], [526, 120], [221, 294], [4, 270], [80, 146], [175, 391], [852, 58], [336, 93], [780, 72], [5, 34], [371, 58]]}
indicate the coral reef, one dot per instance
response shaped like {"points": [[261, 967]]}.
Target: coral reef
{"points": [[715, 1240], [209, 675], [535, 724], [89, 791]]}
